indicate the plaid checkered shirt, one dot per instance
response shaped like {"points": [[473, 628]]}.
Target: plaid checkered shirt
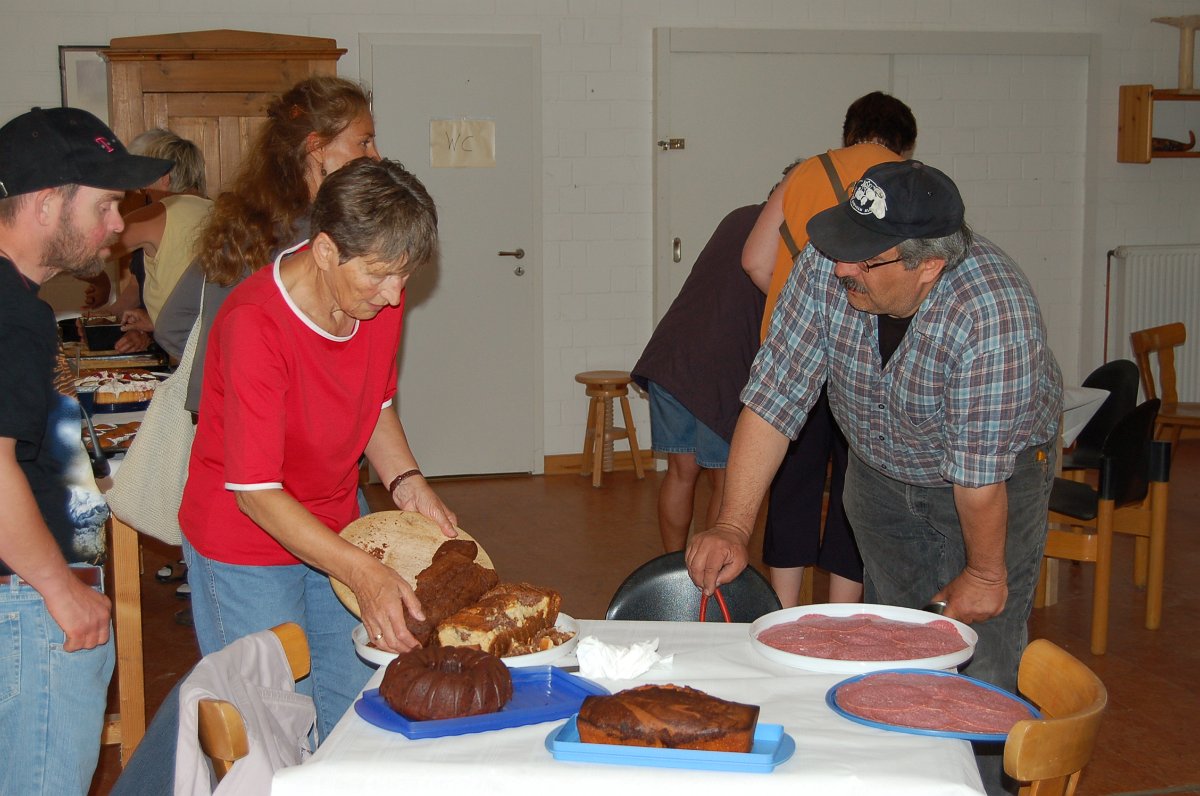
{"points": [[972, 384]]}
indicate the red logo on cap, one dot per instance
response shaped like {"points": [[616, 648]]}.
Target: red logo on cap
{"points": [[102, 141]]}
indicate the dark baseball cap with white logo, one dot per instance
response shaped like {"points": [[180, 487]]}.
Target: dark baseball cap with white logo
{"points": [[49, 147], [892, 203]]}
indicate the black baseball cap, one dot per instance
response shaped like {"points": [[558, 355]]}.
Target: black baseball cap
{"points": [[892, 203], [49, 147]]}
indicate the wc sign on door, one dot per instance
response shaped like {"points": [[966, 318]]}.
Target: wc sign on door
{"points": [[462, 143]]}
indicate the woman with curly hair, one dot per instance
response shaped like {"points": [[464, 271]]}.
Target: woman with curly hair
{"points": [[311, 130]]}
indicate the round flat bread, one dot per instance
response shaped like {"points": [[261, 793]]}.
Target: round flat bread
{"points": [[403, 540]]}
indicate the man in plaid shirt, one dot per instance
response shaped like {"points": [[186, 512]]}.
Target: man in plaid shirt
{"points": [[941, 377]]}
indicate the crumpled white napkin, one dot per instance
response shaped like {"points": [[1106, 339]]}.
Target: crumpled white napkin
{"points": [[616, 662]]}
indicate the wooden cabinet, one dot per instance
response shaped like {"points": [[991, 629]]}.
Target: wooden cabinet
{"points": [[1135, 126], [211, 86]]}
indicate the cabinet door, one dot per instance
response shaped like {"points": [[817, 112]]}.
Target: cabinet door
{"points": [[222, 125], [211, 87]]}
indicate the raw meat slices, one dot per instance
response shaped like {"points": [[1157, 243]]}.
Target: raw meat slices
{"points": [[931, 702], [863, 637]]}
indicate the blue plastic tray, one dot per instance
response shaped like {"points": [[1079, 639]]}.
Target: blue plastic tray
{"points": [[1000, 737], [540, 693], [772, 746]]}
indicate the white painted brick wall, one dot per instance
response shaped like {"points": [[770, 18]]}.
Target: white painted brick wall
{"points": [[1011, 132]]}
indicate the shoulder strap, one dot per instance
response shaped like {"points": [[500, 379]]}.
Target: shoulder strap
{"points": [[788, 240], [834, 179], [838, 191]]}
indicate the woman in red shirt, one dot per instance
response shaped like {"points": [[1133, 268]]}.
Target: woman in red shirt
{"points": [[299, 381]]}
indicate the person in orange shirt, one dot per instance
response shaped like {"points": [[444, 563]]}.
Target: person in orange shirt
{"points": [[878, 128]]}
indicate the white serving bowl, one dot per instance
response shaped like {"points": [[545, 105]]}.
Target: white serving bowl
{"points": [[565, 623], [949, 661]]}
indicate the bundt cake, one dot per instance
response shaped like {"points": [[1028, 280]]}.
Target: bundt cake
{"points": [[445, 683]]}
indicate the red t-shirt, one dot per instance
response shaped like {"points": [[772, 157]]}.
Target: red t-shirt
{"points": [[284, 405]]}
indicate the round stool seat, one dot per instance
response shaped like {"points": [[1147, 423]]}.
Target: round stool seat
{"points": [[604, 378], [602, 387]]}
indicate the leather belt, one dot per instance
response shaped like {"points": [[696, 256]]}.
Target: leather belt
{"points": [[91, 576]]}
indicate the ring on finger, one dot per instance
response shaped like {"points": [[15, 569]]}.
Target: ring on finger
{"points": [[378, 636]]}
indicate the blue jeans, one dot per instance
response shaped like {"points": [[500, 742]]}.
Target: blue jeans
{"points": [[230, 601], [151, 770], [912, 546], [51, 702], [674, 429]]}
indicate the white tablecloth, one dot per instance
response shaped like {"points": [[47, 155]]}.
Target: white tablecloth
{"points": [[833, 755]]}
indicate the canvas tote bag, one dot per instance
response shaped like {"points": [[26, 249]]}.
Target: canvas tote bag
{"points": [[148, 486]]}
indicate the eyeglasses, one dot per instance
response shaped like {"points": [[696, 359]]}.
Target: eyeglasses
{"points": [[865, 265]]}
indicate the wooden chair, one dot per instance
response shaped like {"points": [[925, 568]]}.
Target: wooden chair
{"points": [[1161, 341], [1132, 499], [222, 731], [1047, 755]]}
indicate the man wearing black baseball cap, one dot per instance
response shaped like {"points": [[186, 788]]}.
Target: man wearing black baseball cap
{"points": [[940, 375], [62, 172]]}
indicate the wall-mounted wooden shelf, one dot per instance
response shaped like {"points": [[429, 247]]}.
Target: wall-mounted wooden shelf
{"points": [[1135, 125]]}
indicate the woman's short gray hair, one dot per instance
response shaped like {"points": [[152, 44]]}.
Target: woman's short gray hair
{"points": [[188, 172], [377, 210], [953, 249]]}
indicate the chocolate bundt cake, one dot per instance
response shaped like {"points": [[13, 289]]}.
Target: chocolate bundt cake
{"points": [[445, 683]]}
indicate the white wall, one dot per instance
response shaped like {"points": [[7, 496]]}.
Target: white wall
{"points": [[597, 135]]}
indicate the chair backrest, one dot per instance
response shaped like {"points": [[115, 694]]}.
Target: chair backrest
{"points": [[222, 730], [1047, 754], [1160, 340], [661, 590], [1120, 378], [1126, 456]]}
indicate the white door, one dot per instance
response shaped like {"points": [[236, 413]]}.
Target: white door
{"points": [[470, 362], [743, 117]]}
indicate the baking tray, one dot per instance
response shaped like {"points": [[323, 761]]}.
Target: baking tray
{"points": [[772, 746], [540, 693], [101, 336], [999, 737]]}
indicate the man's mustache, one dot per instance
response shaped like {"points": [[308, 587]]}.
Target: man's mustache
{"points": [[850, 283]]}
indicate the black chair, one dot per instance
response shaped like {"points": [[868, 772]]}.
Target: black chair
{"points": [[1131, 499], [660, 590], [1120, 377]]}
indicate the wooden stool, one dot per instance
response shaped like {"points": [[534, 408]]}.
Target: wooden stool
{"points": [[602, 387]]}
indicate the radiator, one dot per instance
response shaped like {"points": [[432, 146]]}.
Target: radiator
{"points": [[1149, 286]]}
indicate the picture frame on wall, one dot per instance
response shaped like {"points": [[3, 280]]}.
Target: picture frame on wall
{"points": [[83, 73]]}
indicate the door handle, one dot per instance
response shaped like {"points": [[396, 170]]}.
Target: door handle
{"points": [[677, 250], [519, 254]]}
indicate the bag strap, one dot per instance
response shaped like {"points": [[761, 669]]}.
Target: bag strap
{"points": [[788, 240], [720, 603], [193, 339], [834, 178], [839, 191]]}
